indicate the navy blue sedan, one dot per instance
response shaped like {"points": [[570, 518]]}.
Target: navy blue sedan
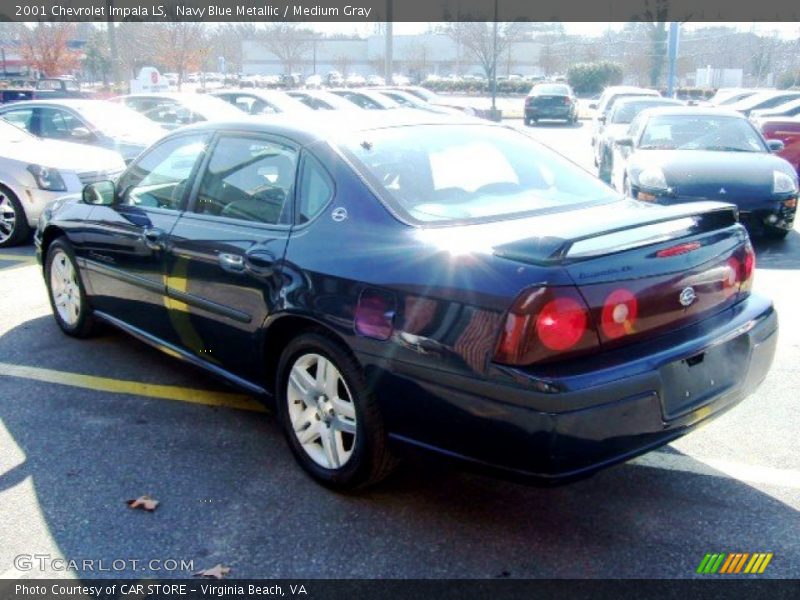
{"points": [[418, 280]]}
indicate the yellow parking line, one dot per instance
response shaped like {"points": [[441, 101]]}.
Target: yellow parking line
{"points": [[19, 257], [136, 388]]}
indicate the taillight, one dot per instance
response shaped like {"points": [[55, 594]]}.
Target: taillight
{"points": [[619, 314], [545, 323], [749, 268], [740, 270]]}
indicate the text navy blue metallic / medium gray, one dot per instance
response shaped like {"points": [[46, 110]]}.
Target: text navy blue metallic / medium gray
{"points": [[419, 280]]}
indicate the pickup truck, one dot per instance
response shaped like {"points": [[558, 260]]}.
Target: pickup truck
{"points": [[43, 89]]}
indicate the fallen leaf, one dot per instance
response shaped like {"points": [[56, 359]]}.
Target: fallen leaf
{"points": [[217, 572], [144, 502]]}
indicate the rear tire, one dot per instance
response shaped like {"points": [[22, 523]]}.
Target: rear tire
{"points": [[329, 415], [14, 228], [65, 291]]}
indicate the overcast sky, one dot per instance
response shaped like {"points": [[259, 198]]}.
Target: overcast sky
{"points": [[785, 30]]}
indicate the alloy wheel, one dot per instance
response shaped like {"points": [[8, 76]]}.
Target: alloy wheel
{"points": [[8, 218], [321, 411], [64, 288]]}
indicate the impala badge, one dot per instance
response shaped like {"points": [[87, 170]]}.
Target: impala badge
{"points": [[687, 296], [722, 190], [339, 214]]}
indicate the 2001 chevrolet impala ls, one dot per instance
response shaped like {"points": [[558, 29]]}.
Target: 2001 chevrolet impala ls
{"points": [[419, 280]]}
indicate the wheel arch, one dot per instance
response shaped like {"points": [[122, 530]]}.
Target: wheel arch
{"points": [[50, 234], [282, 329]]}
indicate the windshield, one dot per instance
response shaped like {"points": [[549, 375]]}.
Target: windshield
{"points": [[549, 88], [446, 173], [700, 132], [624, 112], [12, 133], [118, 121]]}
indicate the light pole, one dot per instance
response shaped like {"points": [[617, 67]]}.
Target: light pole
{"points": [[387, 64], [673, 57], [494, 62]]}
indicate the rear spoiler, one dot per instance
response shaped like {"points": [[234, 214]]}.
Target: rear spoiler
{"points": [[644, 229]]}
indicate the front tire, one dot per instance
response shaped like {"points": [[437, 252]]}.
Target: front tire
{"points": [[14, 228], [65, 291], [604, 168], [329, 416], [773, 233]]}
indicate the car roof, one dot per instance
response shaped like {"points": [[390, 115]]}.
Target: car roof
{"points": [[617, 89], [693, 111], [759, 97], [64, 102], [311, 127], [634, 99]]}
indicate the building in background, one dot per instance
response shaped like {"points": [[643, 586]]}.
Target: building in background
{"points": [[414, 55]]}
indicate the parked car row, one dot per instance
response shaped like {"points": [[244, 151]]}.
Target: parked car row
{"points": [[126, 125], [654, 149]]}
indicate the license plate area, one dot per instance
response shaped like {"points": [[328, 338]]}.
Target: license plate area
{"points": [[692, 382]]}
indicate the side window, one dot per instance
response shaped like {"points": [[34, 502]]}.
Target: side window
{"points": [[21, 118], [250, 179], [315, 191], [57, 124], [160, 177], [635, 128]]}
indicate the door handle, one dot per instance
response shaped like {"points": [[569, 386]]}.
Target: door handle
{"points": [[153, 238], [233, 263]]}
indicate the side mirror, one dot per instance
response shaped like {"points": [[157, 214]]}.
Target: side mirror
{"points": [[100, 193], [593, 105], [774, 145], [81, 134], [601, 119], [626, 141]]}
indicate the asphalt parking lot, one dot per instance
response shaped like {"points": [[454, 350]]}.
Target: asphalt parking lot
{"points": [[87, 425]]}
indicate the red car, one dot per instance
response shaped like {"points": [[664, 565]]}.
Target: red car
{"points": [[786, 130]]}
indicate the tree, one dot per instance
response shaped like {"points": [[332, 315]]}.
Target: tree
{"points": [[45, 48], [97, 57], [591, 78], [182, 47], [226, 41], [478, 40], [137, 47], [653, 21], [288, 42]]}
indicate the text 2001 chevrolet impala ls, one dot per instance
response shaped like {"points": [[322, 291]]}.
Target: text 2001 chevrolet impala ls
{"points": [[419, 280]]}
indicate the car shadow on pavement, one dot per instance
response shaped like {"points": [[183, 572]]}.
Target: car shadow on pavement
{"points": [[231, 493], [778, 254]]}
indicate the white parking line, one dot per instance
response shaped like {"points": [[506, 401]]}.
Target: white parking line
{"points": [[785, 478]]}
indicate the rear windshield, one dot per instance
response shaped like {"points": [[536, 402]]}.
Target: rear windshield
{"points": [[625, 112], [551, 88], [456, 173]]}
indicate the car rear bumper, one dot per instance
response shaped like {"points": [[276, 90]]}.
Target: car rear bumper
{"points": [[587, 416], [548, 112]]}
